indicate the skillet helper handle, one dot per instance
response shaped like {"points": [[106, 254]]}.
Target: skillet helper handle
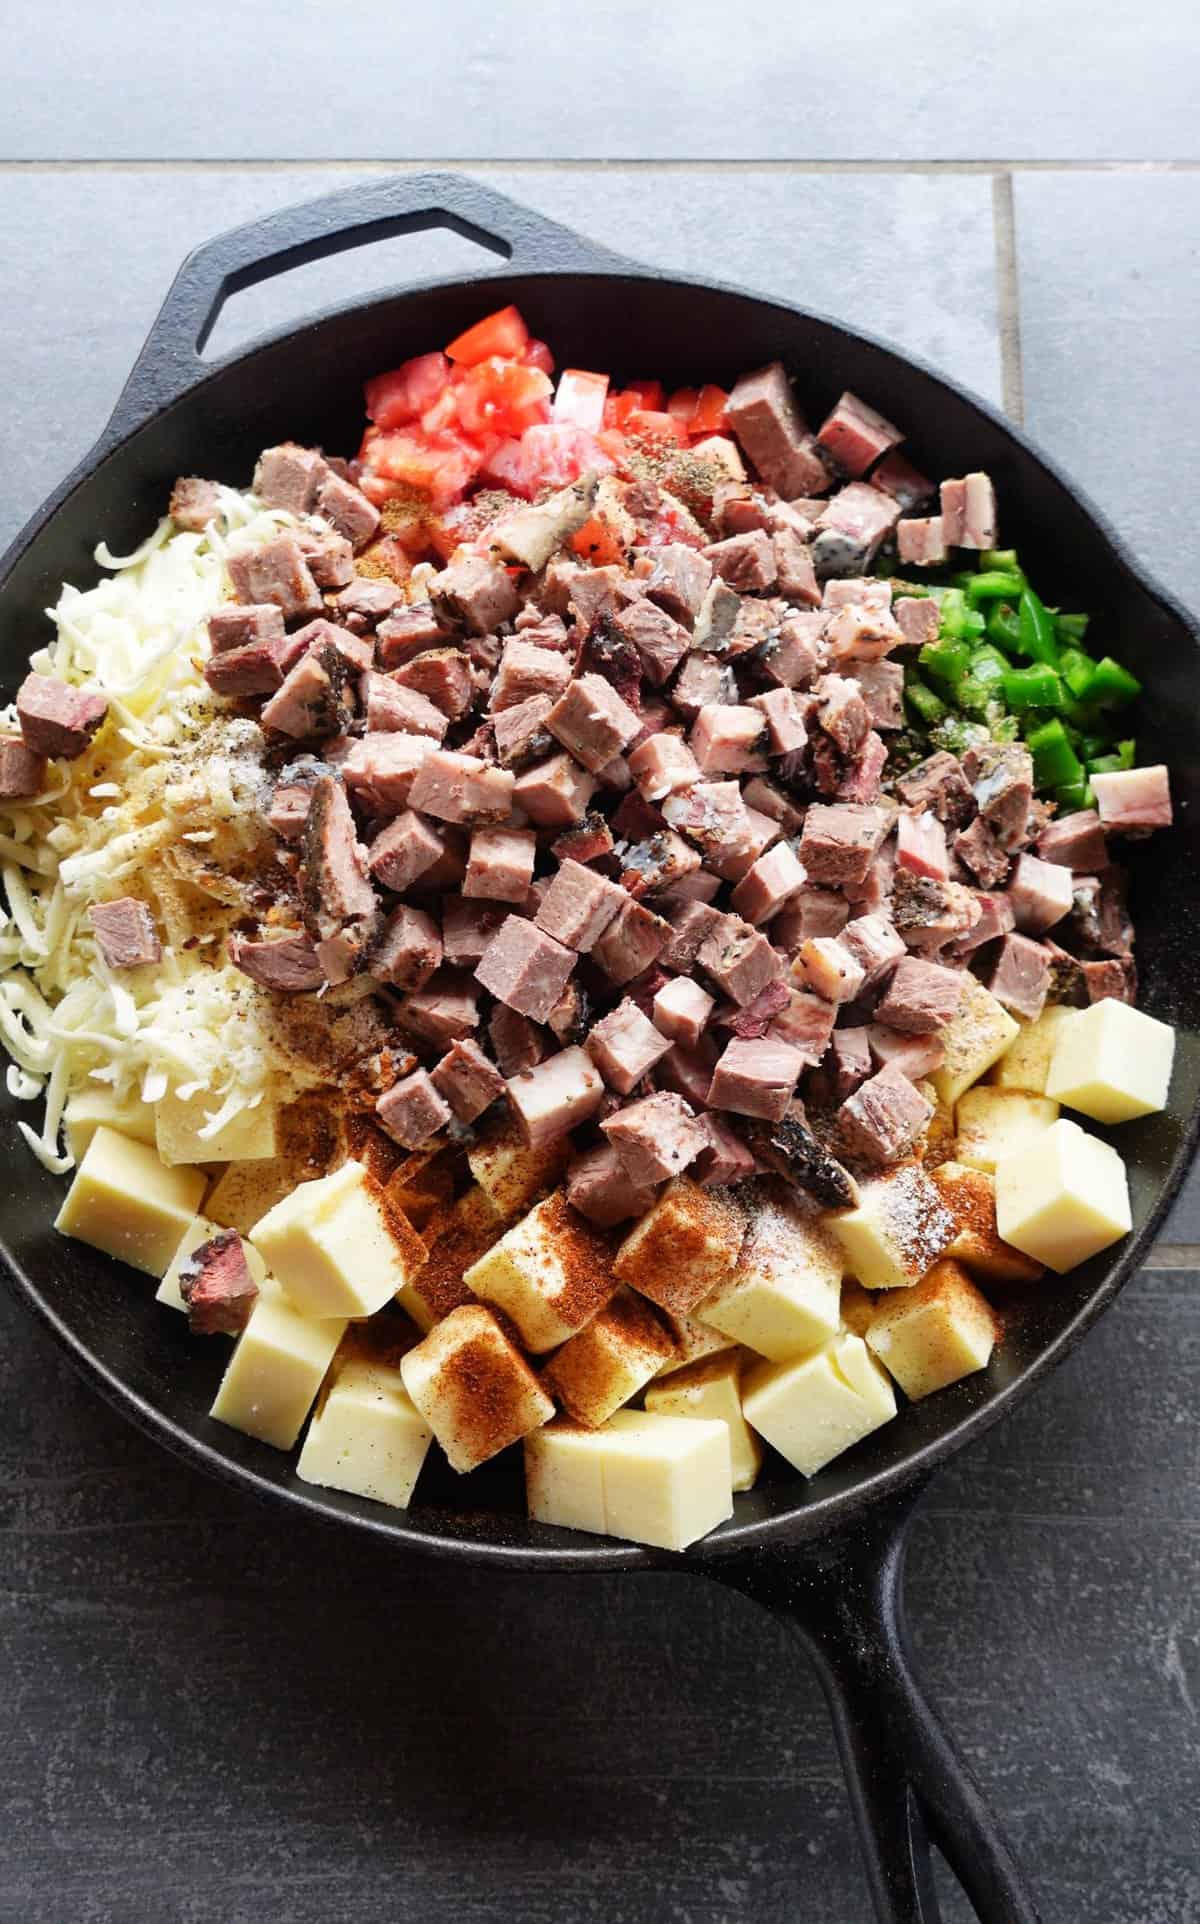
{"points": [[169, 363], [908, 1784]]}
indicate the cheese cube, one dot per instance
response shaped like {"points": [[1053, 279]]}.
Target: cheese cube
{"points": [[857, 1306], [1063, 1198], [683, 1247], [456, 1237], [513, 1174], [96, 1107], [970, 1196], [126, 1203], [816, 1406], [607, 1363], [783, 1295], [335, 1246], [664, 1480], [693, 1341], [277, 1367], [564, 1477], [550, 1273], [712, 1390], [473, 1387], [976, 1036], [367, 1437], [201, 1230], [934, 1334], [248, 1137], [898, 1229], [1113, 1062], [1025, 1064], [994, 1123]]}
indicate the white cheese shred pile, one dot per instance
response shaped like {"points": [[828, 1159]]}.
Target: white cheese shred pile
{"points": [[162, 802]]}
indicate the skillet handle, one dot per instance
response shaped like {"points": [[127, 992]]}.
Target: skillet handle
{"points": [[908, 1784], [170, 362]]}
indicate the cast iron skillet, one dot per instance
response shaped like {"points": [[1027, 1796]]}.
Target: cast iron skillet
{"points": [[826, 1555]]}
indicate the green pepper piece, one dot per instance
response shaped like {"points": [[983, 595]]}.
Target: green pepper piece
{"points": [[995, 585], [1035, 687], [1036, 629], [1111, 684], [1076, 669], [1055, 762], [927, 706], [973, 696], [946, 660], [1001, 558], [957, 735], [988, 664], [1003, 627], [1072, 627], [1005, 728], [1073, 795]]}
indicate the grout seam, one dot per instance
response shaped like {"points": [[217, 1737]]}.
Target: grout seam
{"points": [[525, 163], [1173, 1256], [1008, 298]]}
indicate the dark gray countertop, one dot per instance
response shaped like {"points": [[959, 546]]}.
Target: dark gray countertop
{"points": [[214, 1714]]}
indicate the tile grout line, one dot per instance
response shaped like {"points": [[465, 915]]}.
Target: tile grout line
{"points": [[1173, 1256], [1008, 297], [526, 164]]}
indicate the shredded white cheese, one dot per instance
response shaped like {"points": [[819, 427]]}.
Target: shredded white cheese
{"points": [[159, 806]]}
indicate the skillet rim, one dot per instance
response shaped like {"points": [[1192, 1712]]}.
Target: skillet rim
{"points": [[791, 1526]]}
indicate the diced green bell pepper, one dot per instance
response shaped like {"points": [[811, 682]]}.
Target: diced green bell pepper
{"points": [[995, 585], [1035, 687], [928, 707], [945, 660], [1005, 728], [1055, 763], [1072, 627], [959, 622], [1077, 670], [988, 664], [1111, 684], [1073, 795], [1003, 627], [1036, 629], [1123, 757], [1001, 559]]}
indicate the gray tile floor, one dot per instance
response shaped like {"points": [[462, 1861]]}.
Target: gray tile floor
{"points": [[214, 1716]]}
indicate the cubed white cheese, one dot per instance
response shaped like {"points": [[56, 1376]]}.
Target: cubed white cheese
{"points": [[683, 1247], [550, 1273], [970, 1196], [661, 1480], [336, 1248], [783, 1294], [816, 1406], [1113, 1062], [1025, 1064], [899, 1227], [976, 1036], [473, 1387], [250, 1136], [97, 1107], [126, 1203], [712, 1390], [934, 1334], [994, 1123], [276, 1369], [511, 1173], [368, 1436], [609, 1361], [1063, 1198]]}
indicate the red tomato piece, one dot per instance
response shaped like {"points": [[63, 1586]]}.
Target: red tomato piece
{"points": [[441, 469], [650, 424], [619, 407], [580, 398], [503, 333], [538, 355], [596, 542], [651, 395], [682, 404], [709, 415], [408, 390], [547, 456], [444, 412], [502, 397]]}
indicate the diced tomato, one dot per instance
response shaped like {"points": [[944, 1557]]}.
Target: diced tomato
{"points": [[408, 390], [441, 469], [682, 404], [651, 394], [709, 415], [619, 407], [648, 424], [443, 414], [596, 542], [580, 398], [615, 446], [548, 456], [502, 397], [503, 333], [538, 355]]}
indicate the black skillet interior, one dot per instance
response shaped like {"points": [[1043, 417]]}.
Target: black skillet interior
{"points": [[307, 385]]}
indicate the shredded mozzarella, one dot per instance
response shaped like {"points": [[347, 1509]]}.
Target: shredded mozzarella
{"points": [[163, 799]]}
